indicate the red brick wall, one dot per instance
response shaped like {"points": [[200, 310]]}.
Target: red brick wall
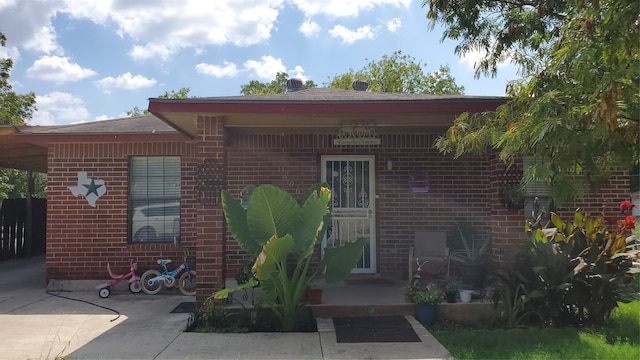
{"points": [[458, 189], [210, 219], [81, 239]]}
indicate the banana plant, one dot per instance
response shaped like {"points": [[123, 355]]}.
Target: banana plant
{"points": [[275, 227]]}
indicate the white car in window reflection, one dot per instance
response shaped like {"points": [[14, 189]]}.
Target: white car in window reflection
{"points": [[156, 222]]}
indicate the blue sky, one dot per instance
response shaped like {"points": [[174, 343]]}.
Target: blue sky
{"points": [[90, 60]]}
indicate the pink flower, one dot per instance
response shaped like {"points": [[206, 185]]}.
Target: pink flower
{"points": [[629, 222]]}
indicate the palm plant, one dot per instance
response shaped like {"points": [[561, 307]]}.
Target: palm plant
{"points": [[276, 227]]}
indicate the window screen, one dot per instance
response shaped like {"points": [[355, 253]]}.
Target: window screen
{"points": [[154, 198]]}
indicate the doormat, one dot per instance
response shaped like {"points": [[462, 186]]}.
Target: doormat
{"points": [[374, 329], [369, 281], [185, 307]]}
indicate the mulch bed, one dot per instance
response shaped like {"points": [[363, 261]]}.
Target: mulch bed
{"points": [[374, 329], [185, 307]]}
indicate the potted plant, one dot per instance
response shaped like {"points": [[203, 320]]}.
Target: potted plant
{"points": [[426, 304], [451, 291], [409, 290], [312, 295], [470, 255]]}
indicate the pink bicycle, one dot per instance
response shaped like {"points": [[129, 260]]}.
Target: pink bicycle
{"points": [[135, 286]]}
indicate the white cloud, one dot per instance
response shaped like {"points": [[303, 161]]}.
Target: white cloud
{"points": [[298, 72], [472, 58], [309, 28], [394, 24], [126, 81], [228, 70], [58, 108], [349, 36], [102, 117], [344, 7], [28, 24], [163, 27], [11, 52], [58, 69], [266, 68]]}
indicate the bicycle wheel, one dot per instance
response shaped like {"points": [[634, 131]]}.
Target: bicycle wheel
{"points": [[187, 283], [150, 286], [135, 286]]}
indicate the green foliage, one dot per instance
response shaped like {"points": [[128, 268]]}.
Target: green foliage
{"points": [[13, 184], [575, 110], [574, 273], [277, 229], [399, 73], [275, 86], [430, 295], [473, 249], [15, 109]]}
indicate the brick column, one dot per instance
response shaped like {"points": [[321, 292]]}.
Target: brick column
{"points": [[209, 223], [507, 226]]}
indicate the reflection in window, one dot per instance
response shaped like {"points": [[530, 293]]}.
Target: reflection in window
{"points": [[154, 199]]}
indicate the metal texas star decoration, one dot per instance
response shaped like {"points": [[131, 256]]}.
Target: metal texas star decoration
{"points": [[91, 189]]}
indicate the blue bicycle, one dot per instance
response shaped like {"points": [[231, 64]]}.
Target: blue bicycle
{"points": [[153, 281]]}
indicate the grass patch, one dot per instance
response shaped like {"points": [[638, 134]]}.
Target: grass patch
{"points": [[618, 339]]}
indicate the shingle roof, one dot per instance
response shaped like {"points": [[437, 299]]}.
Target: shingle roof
{"points": [[144, 124], [318, 95]]}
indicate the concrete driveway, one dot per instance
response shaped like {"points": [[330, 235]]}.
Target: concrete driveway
{"points": [[35, 324]]}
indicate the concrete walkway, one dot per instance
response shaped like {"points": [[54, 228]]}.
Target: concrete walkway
{"points": [[35, 324]]}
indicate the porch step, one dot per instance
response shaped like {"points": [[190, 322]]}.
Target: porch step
{"points": [[475, 312], [330, 310]]}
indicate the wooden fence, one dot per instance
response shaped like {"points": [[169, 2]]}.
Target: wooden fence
{"points": [[13, 228]]}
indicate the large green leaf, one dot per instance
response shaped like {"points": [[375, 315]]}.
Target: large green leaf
{"points": [[273, 252], [236, 217], [338, 261], [224, 293], [272, 212], [311, 222]]}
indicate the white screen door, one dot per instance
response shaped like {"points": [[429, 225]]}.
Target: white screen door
{"points": [[351, 179]]}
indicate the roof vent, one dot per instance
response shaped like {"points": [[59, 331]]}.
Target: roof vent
{"points": [[294, 84], [360, 85]]}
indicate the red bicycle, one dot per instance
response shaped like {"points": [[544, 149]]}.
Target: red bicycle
{"points": [[135, 286]]}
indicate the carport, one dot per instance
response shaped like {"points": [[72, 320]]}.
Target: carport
{"points": [[16, 215]]}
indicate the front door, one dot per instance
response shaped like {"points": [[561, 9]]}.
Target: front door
{"points": [[352, 180]]}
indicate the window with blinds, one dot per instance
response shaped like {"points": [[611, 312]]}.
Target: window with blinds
{"points": [[154, 198]]}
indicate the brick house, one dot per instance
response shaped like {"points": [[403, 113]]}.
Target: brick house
{"points": [[148, 187]]}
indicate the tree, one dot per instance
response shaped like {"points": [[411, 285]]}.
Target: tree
{"points": [[183, 93], [275, 86], [400, 74], [576, 108], [14, 110]]}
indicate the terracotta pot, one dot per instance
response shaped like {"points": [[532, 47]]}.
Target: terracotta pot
{"points": [[312, 296]]}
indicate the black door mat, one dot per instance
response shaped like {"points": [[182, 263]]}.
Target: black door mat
{"points": [[374, 329], [185, 307]]}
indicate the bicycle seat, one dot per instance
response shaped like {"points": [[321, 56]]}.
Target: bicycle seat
{"points": [[163, 261]]}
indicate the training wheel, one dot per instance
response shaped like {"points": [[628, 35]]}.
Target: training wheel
{"points": [[104, 292]]}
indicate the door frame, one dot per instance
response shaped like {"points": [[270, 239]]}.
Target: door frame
{"points": [[372, 206]]}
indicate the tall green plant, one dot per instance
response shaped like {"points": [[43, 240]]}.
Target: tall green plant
{"points": [[275, 227], [583, 266]]}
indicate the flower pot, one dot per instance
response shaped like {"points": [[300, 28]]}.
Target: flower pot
{"points": [[426, 314], [451, 296], [465, 296], [472, 275], [312, 296]]}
